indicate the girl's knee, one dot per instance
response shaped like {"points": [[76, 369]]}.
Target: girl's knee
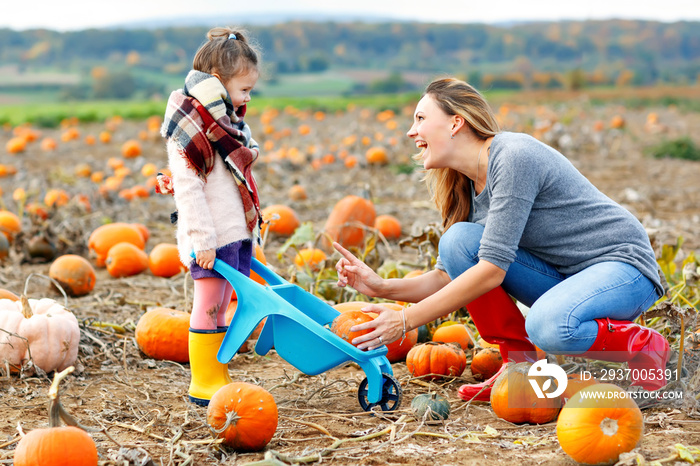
{"points": [[459, 247], [547, 332]]}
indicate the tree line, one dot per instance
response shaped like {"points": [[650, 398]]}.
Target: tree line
{"points": [[527, 55]]}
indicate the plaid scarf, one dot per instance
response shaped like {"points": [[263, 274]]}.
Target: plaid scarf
{"points": [[201, 119]]}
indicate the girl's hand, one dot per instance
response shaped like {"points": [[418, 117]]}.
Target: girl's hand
{"points": [[357, 274], [205, 259], [386, 328]]}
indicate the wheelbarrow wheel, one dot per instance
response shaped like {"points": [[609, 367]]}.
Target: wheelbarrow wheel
{"points": [[391, 394]]}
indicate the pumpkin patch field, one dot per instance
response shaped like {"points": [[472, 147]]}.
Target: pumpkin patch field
{"points": [[87, 246]]}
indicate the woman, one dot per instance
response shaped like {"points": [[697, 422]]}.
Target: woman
{"points": [[519, 220]]}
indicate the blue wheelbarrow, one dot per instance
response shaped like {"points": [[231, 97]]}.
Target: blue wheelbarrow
{"points": [[298, 326]]}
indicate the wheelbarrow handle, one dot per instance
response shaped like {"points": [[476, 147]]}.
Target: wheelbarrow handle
{"points": [[270, 277]]}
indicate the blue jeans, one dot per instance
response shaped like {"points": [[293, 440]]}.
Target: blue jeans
{"points": [[563, 308]]}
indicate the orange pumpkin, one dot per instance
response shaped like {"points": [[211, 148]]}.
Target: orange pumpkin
{"points": [[297, 193], [16, 145], [10, 224], [163, 333], [486, 363], [7, 294], [345, 222], [309, 257], [341, 325], [453, 333], [244, 415], [131, 149], [376, 156], [389, 226], [574, 384], [57, 446], [435, 360], [106, 236], [74, 273], [164, 260], [513, 399], [396, 350], [125, 260], [598, 424], [283, 220]]}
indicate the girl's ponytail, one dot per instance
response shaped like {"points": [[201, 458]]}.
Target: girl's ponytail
{"points": [[227, 52]]}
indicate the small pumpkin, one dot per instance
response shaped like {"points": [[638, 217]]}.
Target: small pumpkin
{"points": [[34, 321], [244, 415], [10, 224], [74, 273], [433, 360], [283, 220], [598, 424], [389, 226], [131, 148], [163, 333], [486, 363], [514, 400], [396, 350], [309, 257], [104, 237], [56, 445], [344, 224], [7, 294], [574, 383], [453, 332], [125, 260], [164, 260], [341, 325], [436, 406]]}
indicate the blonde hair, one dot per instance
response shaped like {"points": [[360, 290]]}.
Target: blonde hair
{"points": [[450, 189], [228, 57]]}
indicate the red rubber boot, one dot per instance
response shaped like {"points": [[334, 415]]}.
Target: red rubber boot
{"points": [[500, 322], [646, 351]]}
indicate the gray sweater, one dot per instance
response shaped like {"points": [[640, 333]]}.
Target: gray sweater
{"points": [[537, 200]]}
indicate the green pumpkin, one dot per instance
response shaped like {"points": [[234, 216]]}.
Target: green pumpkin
{"points": [[438, 405]]}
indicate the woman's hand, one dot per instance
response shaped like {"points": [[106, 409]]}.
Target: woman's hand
{"points": [[357, 274], [205, 259], [386, 328]]}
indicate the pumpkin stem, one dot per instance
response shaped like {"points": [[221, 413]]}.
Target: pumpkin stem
{"points": [[231, 419], [26, 308], [55, 407]]}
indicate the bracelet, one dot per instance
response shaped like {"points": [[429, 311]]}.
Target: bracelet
{"points": [[403, 318]]}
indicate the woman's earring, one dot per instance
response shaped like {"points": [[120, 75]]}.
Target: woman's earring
{"points": [[452, 136]]}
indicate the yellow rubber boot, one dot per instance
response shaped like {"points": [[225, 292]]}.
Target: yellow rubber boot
{"points": [[208, 374]]}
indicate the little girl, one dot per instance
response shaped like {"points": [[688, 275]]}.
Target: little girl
{"points": [[210, 155]]}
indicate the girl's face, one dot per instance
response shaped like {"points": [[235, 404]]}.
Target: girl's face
{"points": [[239, 88], [431, 132]]}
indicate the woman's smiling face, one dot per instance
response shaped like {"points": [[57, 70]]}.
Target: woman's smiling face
{"points": [[431, 132]]}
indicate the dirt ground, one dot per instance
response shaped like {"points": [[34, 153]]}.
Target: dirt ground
{"points": [[142, 404]]}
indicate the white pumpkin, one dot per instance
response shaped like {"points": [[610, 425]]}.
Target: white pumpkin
{"points": [[51, 331]]}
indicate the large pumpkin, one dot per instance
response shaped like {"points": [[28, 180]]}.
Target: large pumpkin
{"points": [[74, 273], [453, 332], [344, 224], [598, 424], [243, 415], [438, 359], [46, 330], [513, 399], [163, 333], [56, 446], [396, 350], [104, 237]]}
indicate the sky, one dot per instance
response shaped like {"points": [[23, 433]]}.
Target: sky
{"points": [[65, 15]]}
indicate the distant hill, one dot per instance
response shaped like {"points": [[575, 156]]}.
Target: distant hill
{"points": [[149, 57]]}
